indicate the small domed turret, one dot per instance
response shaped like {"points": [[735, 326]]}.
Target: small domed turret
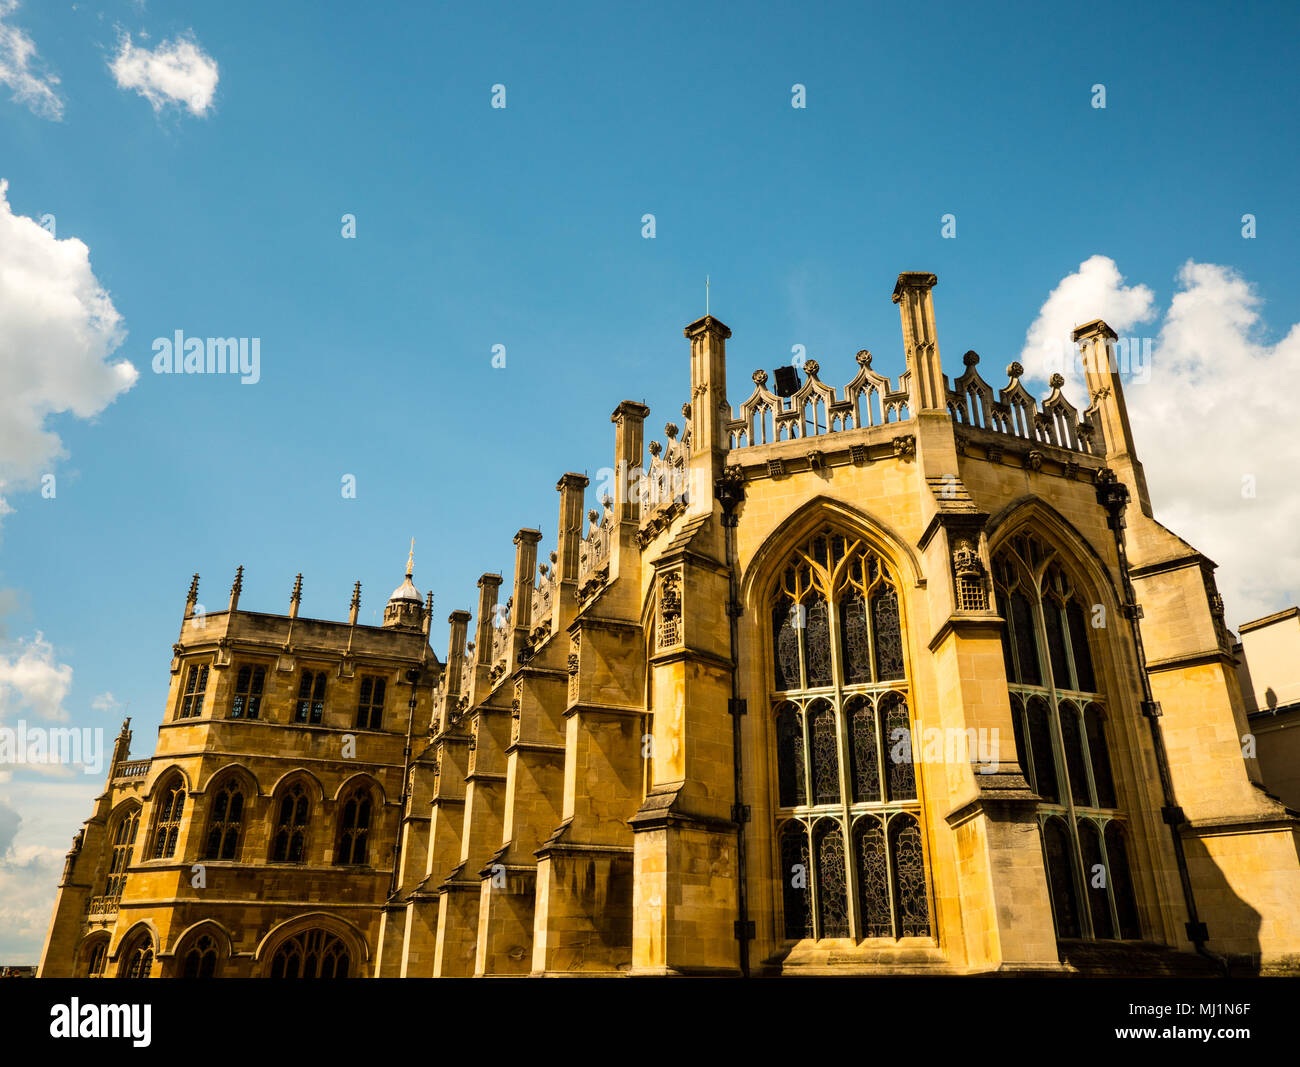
{"points": [[405, 608]]}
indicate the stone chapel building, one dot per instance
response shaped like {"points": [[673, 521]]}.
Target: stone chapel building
{"points": [[893, 678]]}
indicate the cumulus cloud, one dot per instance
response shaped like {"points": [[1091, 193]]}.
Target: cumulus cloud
{"points": [[58, 330], [22, 71], [31, 681], [1212, 424], [106, 702], [176, 72]]}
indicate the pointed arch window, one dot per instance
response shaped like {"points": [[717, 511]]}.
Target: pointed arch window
{"points": [[96, 957], [225, 822], [1059, 719], [289, 843], [354, 828], [850, 842], [123, 848], [313, 954], [200, 961], [167, 821], [138, 959]]}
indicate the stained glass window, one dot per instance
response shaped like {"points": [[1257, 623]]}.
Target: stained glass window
{"points": [[863, 750], [790, 759], [909, 876], [889, 641], [898, 747], [855, 650], [832, 888], [836, 601], [817, 645], [786, 642], [796, 877], [873, 878], [825, 755]]}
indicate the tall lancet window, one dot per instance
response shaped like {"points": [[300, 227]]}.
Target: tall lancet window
{"points": [[850, 837], [1060, 718]]}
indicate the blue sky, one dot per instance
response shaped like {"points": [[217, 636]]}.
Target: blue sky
{"points": [[522, 227]]}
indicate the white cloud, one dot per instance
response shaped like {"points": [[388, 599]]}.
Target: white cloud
{"points": [[176, 72], [31, 680], [22, 70], [106, 702], [58, 328], [1215, 411]]}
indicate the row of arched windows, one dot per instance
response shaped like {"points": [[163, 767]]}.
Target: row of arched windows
{"points": [[291, 811], [308, 705], [312, 953]]}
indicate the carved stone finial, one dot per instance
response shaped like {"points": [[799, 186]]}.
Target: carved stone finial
{"points": [[1056, 381], [555, 558], [544, 569], [811, 367], [671, 430], [863, 357], [686, 411], [296, 596], [356, 595], [971, 358], [192, 596], [593, 515], [238, 586], [655, 448], [1014, 370], [759, 377]]}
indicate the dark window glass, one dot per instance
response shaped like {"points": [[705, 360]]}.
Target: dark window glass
{"points": [[224, 822], [790, 758], [354, 829], [310, 707], [196, 685], [1121, 883], [1072, 743], [1079, 646], [247, 702], [1007, 659], [289, 844], [1040, 747], [201, 959], [370, 709], [795, 879], [1056, 644], [1018, 729], [314, 954], [1022, 620], [1095, 880], [171, 805], [1101, 775], [1060, 877]]}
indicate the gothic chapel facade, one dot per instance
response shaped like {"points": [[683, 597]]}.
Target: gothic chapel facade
{"points": [[888, 679]]}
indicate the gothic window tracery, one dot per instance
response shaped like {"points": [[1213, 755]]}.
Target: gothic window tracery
{"points": [[137, 961], [225, 822], [310, 706], [247, 701], [312, 954], [1059, 719], [850, 842], [200, 961], [354, 828], [167, 821], [289, 844], [196, 686], [370, 707], [123, 847]]}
